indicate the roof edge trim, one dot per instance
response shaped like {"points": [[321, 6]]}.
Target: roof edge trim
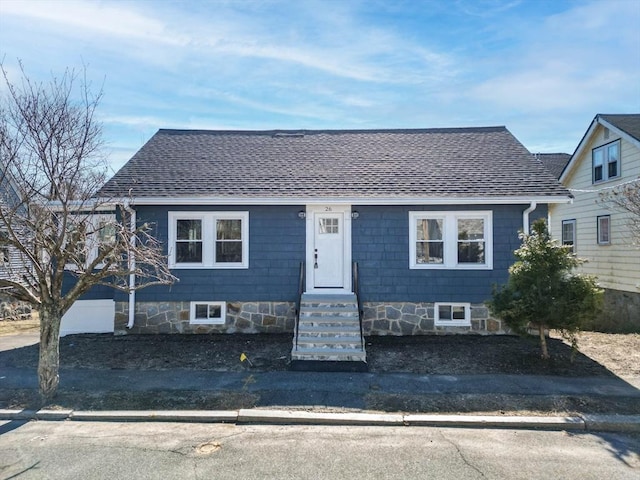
{"points": [[342, 200]]}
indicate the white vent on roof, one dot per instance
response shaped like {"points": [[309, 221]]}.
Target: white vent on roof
{"points": [[606, 133], [288, 134]]}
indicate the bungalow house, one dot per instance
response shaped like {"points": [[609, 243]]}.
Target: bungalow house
{"points": [[374, 232], [606, 160]]}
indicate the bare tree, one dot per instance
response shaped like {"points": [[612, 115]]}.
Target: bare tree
{"points": [[65, 239], [626, 197]]}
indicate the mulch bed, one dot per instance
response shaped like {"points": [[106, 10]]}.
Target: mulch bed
{"points": [[448, 355]]}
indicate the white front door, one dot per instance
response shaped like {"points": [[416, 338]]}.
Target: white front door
{"points": [[328, 252]]}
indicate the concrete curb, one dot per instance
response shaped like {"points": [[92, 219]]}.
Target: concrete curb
{"points": [[290, 417], [591, 423], [492, 421]]}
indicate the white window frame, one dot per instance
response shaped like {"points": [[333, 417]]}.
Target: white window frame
{"points": [[574, 234], [466, 322], [599, 230], [450, 239], [209, 220], [208, 321], [92, 241], [604, 149]]}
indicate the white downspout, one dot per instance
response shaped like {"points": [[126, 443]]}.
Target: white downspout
{"points": [[525, 217], [132, 266]]}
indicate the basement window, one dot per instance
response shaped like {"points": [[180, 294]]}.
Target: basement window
{"points": [[207, 313], [452, 314]]}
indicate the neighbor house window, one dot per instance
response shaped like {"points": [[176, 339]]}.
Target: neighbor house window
{"points": [[450, 240], [604, 230], [88, 237], [207, 313], [569, 234], [452, 314], [606, 162], [209, 239]]}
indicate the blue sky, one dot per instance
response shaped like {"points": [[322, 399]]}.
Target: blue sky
{"points": [[543, 68]]}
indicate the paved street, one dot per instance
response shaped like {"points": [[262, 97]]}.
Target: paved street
{"points": [[77, 450]]}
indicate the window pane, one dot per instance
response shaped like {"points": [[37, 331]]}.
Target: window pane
{"points": [[188, 252], [471, 252], [228, 252], [429, 229], [603, 229], [329, 225], [229, 229], [215, 311], [470, 229], [613, 169], [429, 252], [189, 229], [444, 312], [458, 313], [202, 310]]}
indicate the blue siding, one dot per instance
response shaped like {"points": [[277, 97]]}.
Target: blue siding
{"points": [[276, 248], [380, 239]]}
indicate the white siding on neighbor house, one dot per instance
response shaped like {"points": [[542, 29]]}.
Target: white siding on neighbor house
{"points": [[89, 316], [616, 265]]}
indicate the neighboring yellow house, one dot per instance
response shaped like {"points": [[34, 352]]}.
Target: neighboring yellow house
{"points": [[607, 158]]}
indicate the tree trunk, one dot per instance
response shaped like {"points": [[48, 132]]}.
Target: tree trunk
{"points": [[49, 361], [543, 342]]}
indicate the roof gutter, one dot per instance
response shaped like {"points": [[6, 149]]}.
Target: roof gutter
{"points": [[498, 200], [132, 267], [525, 217]]}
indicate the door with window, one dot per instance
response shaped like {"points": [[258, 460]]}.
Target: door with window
{"points": [[328, 248]]}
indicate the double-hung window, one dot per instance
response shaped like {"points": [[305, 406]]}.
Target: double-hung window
{"points": [[209, 239], [89, 237], [606, 162], [451, 239], [604, 230], [569, 234]]}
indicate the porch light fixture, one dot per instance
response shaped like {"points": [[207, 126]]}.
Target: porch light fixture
{"points": [[302, 214], [355, 215]]}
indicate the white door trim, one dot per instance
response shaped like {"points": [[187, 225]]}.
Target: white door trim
{"points": [[311, 211]]}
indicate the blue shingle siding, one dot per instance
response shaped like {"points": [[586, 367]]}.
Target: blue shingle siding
{"points": [[276, 248], [380, 239]]}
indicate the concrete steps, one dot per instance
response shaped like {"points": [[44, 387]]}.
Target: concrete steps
{"points": [[328, 336]]}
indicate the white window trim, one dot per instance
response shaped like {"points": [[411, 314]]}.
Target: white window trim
{"points": [[575, 233], [92, 244], [450, 238], [598, 230], [213, 321], [452, 323], [605, 162], [208, 238]]}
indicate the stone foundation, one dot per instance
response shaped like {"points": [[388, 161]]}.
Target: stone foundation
{"points": [[407, 318], [401, 318], [620, 313], [173, 317]]}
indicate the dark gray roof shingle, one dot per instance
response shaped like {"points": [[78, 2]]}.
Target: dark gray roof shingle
{"points": [[368, 164], [554, 162], [628, 123]]}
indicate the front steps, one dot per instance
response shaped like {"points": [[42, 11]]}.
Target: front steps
{"points": [[328, 336]]}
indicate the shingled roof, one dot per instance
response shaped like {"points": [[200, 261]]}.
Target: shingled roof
{"points": [[628, 123], [334, 164], [554, 162]]}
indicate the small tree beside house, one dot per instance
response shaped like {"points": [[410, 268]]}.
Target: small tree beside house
{"points": [[67, 241], [542, 292]]}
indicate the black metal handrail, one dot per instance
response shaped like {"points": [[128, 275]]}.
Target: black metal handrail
{"points": [[298, 302], [356, 291]]}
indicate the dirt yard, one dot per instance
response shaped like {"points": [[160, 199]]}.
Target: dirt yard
{"points": [[599, 355]]}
